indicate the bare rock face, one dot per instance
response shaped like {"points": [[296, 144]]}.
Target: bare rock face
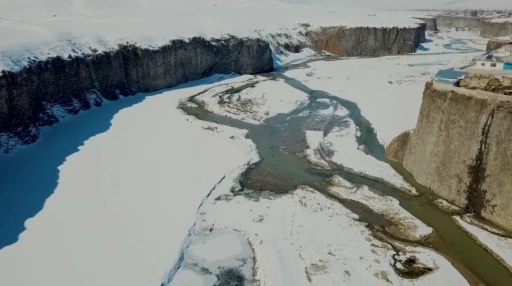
{"points": [[502, 85], [461, 149], [448, 21], [77, 83], [395, 151], [431, 23], [367, 41], [496, 29], [493, 45]]}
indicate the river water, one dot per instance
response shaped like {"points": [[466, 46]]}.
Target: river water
{"points": [[281, 143]]}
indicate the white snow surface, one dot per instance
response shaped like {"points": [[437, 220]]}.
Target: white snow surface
{"points": [[410, 226], [215, 249], [125, 200], [255, 104], [448, 40], [304, 232], [499, 245], [39, 29], [388, 90], [32, 30], [348, 154]]}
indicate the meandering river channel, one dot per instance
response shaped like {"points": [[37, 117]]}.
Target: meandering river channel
{"points": [[281, 143]]}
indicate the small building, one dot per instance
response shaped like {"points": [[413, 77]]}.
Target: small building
{"points": [[488, 62], [491, 62], [451, 77]]}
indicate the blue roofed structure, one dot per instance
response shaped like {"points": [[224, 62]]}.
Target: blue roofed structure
{"points": [[450, 77]]}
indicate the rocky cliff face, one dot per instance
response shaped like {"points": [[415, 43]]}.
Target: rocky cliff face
{"points": [[493, 45], [431, 23], [459, 22], [461, 149], [30, 97], [366, 41], [492, 29], [487, 28]]}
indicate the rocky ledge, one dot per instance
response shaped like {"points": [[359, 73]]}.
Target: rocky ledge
{"points": [[40, 93], [496, 29], [449, 21], [34, 96], [431, 23], [461, 150], [487, 28], [367, 41]]}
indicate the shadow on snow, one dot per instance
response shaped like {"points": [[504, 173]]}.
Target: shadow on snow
{"points": [[30, 174]]}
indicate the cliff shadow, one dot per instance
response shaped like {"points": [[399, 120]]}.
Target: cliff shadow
{"points": [[29, 175], [422, 48]]}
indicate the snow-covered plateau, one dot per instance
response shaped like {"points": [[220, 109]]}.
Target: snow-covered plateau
{"points": [[34, 30]]}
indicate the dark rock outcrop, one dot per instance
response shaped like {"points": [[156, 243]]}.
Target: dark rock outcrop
{"points": [[495, 29], [430, 22], [461, 149], [367, 41], [76, 83]]}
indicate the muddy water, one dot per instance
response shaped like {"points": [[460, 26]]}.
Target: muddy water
{"points": [[281, 142]]}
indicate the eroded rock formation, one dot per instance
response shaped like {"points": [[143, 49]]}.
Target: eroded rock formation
{"points": [[487, 28], [367, 41], [461, 149], [73, 84], [459, 22], [495, 29]]}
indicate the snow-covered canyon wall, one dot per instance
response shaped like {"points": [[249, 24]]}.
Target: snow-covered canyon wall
{"points": [[488, 28], [368, 41], [492, 29], [40, 93], [45, 91], [430, 21], [448, 21], [461, 149]]}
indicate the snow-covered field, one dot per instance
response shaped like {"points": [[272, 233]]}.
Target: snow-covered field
{"points": [[387, 90], [408, 226], [448, 40], [500, 246], [40, 29], [254, 104], [124, 201], [303, 238], [348, 154]]}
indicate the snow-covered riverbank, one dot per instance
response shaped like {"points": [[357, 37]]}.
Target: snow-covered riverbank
{"points": [[124, 199], [113, 192]]}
